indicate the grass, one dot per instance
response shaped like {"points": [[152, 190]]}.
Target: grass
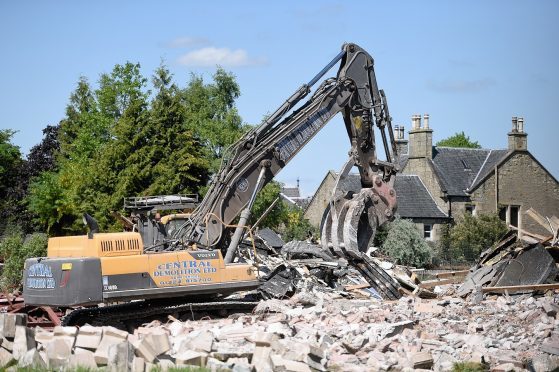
{"points": [[469, 367]]}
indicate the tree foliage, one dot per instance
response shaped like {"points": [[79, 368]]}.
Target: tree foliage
{"points": [[405, 244], [275, 217], [473, 234], [128, 137], [458, 140], [297, 227], [12, 179], [15, 248], [212, 115]]}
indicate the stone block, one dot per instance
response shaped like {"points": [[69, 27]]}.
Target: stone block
{"points": [[165, 365], [427, 307], [82, 358], [145, 348], [225, 351], [89, 337], [393, 329], [7, 344], [42, 336], [58, 352], [551, 309], [24, 341], [293, 366], [261, 358], [550, 346], [217, 365], [8, 323], [422, 360], [160, 341], [120, 357], [138, 364], [191, 357], [263, 338], [5, 357], [32, 359], [176, 328], [204, 342], [110, 337]]}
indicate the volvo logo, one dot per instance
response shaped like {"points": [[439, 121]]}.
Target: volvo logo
{"points": [[242, 184]]}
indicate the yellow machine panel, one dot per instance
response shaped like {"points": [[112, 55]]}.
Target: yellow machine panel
{"points": [[100, 245]]}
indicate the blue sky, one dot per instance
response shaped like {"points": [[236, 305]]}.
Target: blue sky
{"points": [[471, 65]]}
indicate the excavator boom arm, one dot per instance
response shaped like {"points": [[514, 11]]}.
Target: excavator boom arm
{"points": [[261, 153]]}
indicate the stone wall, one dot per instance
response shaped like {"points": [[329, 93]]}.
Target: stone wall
{"points": [[524, 182], [320, 200]]}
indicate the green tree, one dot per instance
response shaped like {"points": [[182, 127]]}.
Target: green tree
{"points": [[212, 115], [14, 250], [458, 140], [12, 182], [405, 244], [297, 227], [60, 198], [277, 216], [473, 234]]}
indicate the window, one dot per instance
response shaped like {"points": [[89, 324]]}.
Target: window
{"points": [[428, 231], [510, 214], [503, 213], [471, 209], [514, 211]]}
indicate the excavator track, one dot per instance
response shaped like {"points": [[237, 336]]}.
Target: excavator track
{"points": [[132, 314]]}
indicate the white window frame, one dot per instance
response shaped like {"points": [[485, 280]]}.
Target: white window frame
{"points": [[430, 232]]}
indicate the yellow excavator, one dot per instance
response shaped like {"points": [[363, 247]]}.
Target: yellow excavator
{"points": [[193, 266]]}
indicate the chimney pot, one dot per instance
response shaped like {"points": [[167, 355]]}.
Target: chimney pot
{"points": [[520, 124], [514, 124], [416, 121], [402, 132], [426, 121], [396, 132]]}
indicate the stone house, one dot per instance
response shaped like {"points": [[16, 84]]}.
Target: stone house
{"points": [[462, 180]]}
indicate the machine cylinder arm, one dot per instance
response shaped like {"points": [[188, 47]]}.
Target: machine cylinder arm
{"points": [[263, 152]]}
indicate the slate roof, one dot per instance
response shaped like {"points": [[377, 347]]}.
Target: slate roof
{"points": [[458, 168], [414, 201], [493, 158], [291, 192], [270, 237]]}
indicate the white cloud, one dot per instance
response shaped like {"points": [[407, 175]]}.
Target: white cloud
{"points": [[212, 56]]}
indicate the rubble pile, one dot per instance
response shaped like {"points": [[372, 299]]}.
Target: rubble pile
{"points": [[310, 332], [513, 265]]}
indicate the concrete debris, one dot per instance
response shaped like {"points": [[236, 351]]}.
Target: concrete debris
{"points": [[302, 265], [332, 333]]}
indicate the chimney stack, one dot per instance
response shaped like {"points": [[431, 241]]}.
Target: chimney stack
{"points": [[518, 139], [401, 143], [421, 138]]}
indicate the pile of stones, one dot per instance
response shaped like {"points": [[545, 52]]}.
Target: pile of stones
{"points": [[309, 332]]}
